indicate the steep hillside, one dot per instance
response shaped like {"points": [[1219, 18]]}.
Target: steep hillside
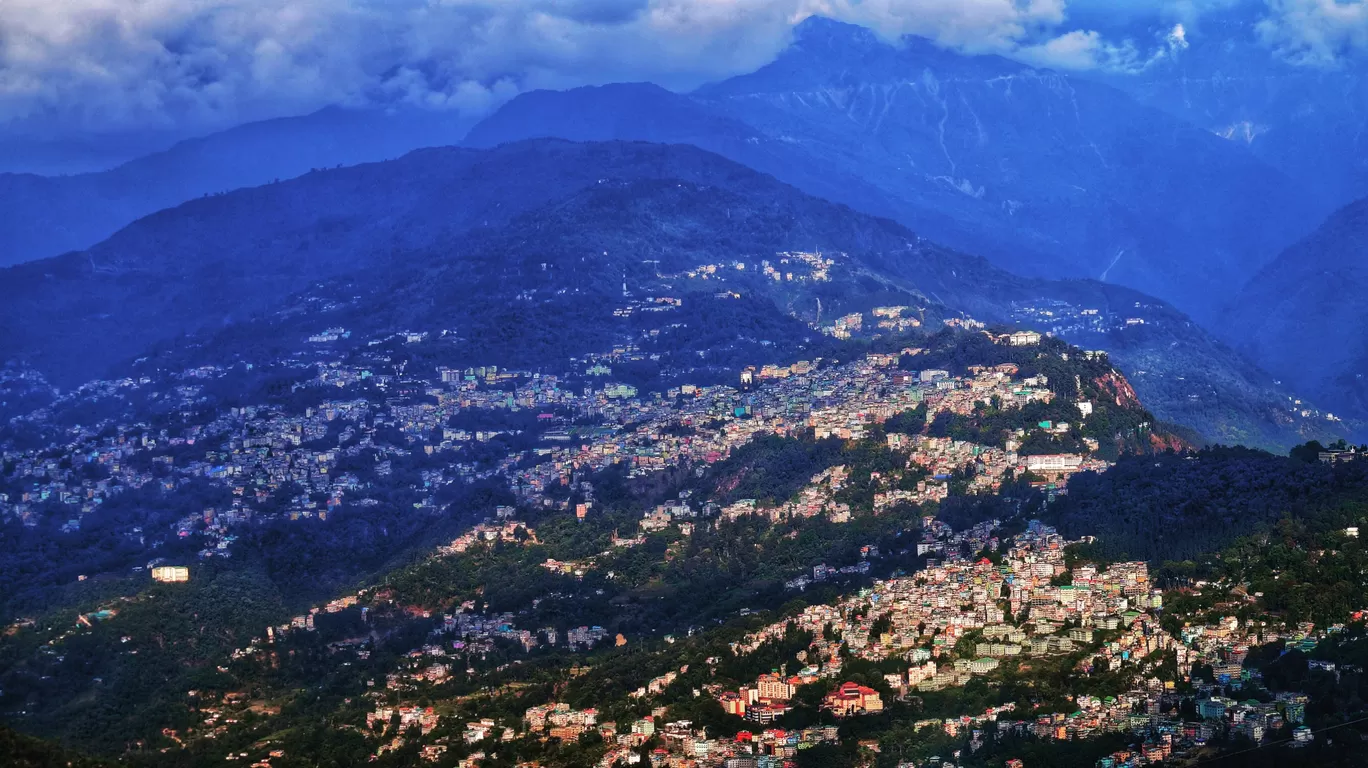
{"points": [[523, 251], [212, 262], [47, 216], [1304, 316], [1044, 174]]}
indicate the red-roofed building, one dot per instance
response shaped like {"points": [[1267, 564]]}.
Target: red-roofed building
{"points": [[853, 698]]}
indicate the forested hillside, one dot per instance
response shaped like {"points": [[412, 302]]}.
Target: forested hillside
{"points": [[1177, 507]]}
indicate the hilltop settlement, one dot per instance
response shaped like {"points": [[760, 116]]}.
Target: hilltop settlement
{"points": [[855, 554]]}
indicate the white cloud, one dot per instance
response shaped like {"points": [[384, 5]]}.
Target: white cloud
{"points": [[83, 65], [1089, 50], [973, 25], [1316, 32], [1177, 38], [112, 63], [1081, 49]]}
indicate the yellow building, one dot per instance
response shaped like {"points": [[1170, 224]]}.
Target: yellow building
{"points": [[170, 573]]}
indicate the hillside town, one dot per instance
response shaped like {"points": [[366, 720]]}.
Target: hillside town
{"points": [[342, 451], [986, 604]]}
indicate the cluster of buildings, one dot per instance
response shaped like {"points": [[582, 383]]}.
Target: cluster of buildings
{"points": [[896, 319], [343, 449], [402, 718], [840, 401], [1026, 603], [1031, 605], [559, 721], [788, 266], [510, 532], [768, 698], [1011, 608], [682, 743], [1060, 318], [922, 618], [818, 497], [256, 450]]}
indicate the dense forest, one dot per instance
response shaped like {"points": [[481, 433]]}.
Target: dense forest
{"points": [[1177, 506], [20, 751]]}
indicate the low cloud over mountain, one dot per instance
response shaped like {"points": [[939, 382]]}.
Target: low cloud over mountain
{"points": [[105, 64]]}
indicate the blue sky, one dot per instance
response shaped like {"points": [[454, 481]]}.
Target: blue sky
{"points": [[84, 66]]}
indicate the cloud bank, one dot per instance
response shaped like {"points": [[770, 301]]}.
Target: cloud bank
{"points": [[1319, 33], [109, 63], [98, 65]]}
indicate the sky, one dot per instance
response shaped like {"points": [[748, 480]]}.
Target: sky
{"points": [[74, 67]]}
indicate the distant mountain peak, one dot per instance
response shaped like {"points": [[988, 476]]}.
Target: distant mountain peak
{"points": [[818, 33], [621, 111], [639, 88], [828, 38], [826, 52]]}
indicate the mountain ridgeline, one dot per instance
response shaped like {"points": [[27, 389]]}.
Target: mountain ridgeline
{"points": [[212, 262], [1043, 173], [50, 215], [523, 251]]}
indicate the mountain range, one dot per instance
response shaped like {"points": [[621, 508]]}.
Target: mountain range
{"points": [[1043, 173], [50, 215], [521, 250], [1046, 176]]}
